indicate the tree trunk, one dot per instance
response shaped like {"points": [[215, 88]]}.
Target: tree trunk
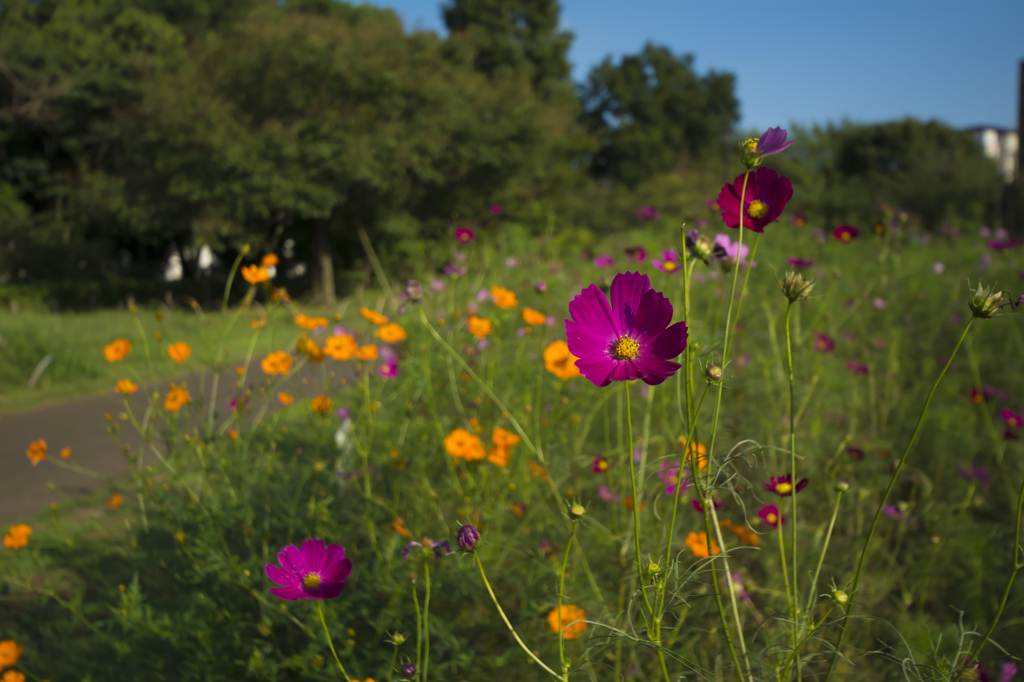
{"points": [[323, 263]]}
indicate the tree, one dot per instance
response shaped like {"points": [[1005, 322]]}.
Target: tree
{"points": [[652, 111]]}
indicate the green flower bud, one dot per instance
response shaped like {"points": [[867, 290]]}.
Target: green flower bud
{"points": [[795, 287], [840, 598], [577, 511], [653, 569], [713, 374], [985, 303], [842, 487]]}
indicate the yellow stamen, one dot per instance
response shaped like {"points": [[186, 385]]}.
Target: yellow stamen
{"points": [[757, 209], [846, 236], [783, 488], [626, 348], [751, 145], [772, 518], [311, 581], [669, 265]]}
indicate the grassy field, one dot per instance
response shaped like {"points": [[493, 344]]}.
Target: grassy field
{"points": [[179, 591]]}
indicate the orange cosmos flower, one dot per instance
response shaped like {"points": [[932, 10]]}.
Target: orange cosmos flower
{"points": [[698, 453], [240, 370], [532, 317], [309, 348], [233, 434], [285, 398], [480, 327], [65, 453], [278, 362], [698, 544], [310, 322], [258, 323], [627, 502], [476, 425], [321, 404], [126, 387], [373, 316], [255, 274], [560, 619], [505, 439], [9, 652], [179, 351], [176, 398], [560, 362], [504, 298], [271, 260], [745, 535], [36, 451], [367, 352], [341, 347], [398, 526], [17, 537], [117, 350], [537, 471], [499, 455], [391, 333], [115, 501], [279, 294], [461, 444], [14, 676]]}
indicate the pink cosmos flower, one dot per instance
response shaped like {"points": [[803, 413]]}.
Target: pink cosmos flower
{"points": [[766, 196], [1011, 418], [629, 339], [731, 252], [636, 253], [669, 475], [389, 368], [495, 209], [857, 367], [647, 213], [783, 485], [771, 515], [313, 573], [465, 235], [846, 233], [603, 261], [801, 263], [669, 261], [772, 141]]}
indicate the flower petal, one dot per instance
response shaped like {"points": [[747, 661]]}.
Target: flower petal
{"points": [[652, 316], [590, 308], [289, 593], [597, 369], [583, 342], [654, 371], [628, 289], [669, 344], [291, 559], [314, 551], [282, 577]]}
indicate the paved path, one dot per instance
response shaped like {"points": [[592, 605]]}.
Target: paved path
{"points": [[80, 425]]}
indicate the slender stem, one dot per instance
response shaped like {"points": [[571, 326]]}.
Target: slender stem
{"points": [[426, 620], [231, 278], [821, 559], [1017, 565], [746, 277], [561, 595], [419, 631], [394, 658], [636, 502], [525, 648], [320, 611], [785, 569], [794, 605], [374, 261], [885, 498], [679, 476]]}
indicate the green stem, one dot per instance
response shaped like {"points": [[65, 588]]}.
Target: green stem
{"points": [[231, 277], [794, 607], [426, 620], [320, 611], [885, 498], [561, 595], [679, 476], [504, 618], [821, 559], [394, 659], [746, 277], [419, 630], [636, 502]]}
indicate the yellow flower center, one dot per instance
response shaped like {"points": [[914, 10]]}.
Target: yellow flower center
{"points": [[772, 518], [669, 266], [783, 488], [311, 581], [626, 348], [751, 144], [757, 209], [846, 236]]}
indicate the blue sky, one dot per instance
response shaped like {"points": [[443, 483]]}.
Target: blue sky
{"points": [[815, 61]]}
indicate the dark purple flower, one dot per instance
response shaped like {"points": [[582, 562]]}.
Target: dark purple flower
{"points": [[855, 452], [636, 253], [772, 141], [846, 233], [629, 339], [669, 261], [465, 235], [495, 209], [801, 263], [315, 572], [893, 512], [977, 474], [798, 220], [441, 548], [771, 515], [766, 196], [1004, 244], [857, 367], [468, 537], [730, 253], [409, 671], [603, 261], [697, 506], [647, 213], [783, 485], [601, 464], [823, 343]]}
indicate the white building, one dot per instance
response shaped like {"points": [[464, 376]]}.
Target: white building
{"points": [[1002, 146]]}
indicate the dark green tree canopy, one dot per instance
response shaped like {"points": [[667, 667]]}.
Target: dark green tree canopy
{"points": [[652, 109]]}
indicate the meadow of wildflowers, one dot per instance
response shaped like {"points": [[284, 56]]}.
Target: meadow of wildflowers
{"points": [[778, 451]]}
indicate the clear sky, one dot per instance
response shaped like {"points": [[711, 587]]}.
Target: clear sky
{"points": [[814, 61]]}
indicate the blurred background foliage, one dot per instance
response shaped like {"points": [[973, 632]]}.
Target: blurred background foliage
{"points": [[131, 130]]}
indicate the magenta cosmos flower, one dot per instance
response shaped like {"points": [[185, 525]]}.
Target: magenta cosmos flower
{"points": [[857, 367], [315, 572], [771, 515], [698, 506], [465, 235], [772, 141], [783, 485], [629, 339], [823, 343], [603, 261], [846, 233], [647, 213], [636, 253], [801, 263], [766, 196], [495, 209], [798, 220], [669, 261]]}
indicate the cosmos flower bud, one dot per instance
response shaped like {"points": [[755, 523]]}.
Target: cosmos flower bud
{"points": [[840, 598], [414, 290], [795, 287], [713, 374], [246, 249], [699, 246], [409, 671], [985, 303], [842, 487], [468, 537], [577, 511], [653, 569]]}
